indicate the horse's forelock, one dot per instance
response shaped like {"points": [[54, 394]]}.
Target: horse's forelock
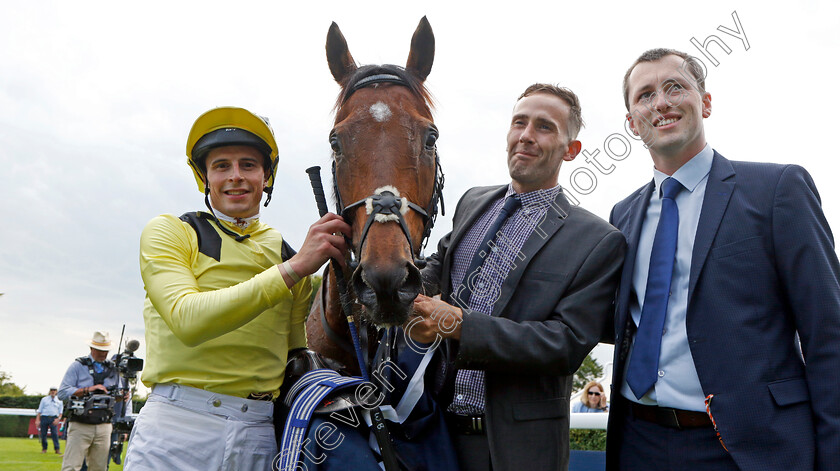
{"points": [[414, 84]]}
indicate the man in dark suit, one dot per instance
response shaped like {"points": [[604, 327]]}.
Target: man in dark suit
{"points": [[527, 282], [728, 314]]}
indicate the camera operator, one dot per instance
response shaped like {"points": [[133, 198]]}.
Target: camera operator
{"points": [[87, 382]]}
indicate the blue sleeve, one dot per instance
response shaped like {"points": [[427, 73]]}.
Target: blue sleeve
{"points": [[807, 264], [69, 384]]}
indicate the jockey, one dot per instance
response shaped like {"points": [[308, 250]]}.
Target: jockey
{"points": [[226, 299]]}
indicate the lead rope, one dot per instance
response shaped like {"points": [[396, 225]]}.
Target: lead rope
{"points": [[714, 424]]}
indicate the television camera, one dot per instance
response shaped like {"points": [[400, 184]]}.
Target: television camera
{"points": [[128, 365]]}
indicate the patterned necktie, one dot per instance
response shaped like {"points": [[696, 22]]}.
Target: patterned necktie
{"points": [[644, 360], [481, 253]]}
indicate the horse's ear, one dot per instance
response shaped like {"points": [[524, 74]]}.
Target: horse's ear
{"points": [[422, 52], [338, 55]]}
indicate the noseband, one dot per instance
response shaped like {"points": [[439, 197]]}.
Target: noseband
{"points": [[386, 204]]}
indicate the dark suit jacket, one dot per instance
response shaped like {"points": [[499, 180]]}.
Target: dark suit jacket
{"points": [[554, 306], [763, 268]]}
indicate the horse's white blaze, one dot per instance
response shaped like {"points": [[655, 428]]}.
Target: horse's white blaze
{"points": [[380, 111], [395, 192]]}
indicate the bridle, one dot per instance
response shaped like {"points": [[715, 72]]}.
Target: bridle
{"points": [[385, 205]]}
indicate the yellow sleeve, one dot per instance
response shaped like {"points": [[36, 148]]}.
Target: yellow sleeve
{"points": [[193, 316], [300, 309]]}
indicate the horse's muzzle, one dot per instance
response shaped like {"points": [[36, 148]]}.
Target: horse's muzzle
{"points": [[388, 295]]}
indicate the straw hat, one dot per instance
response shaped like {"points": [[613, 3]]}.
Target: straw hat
{"points": [[100, 341]]}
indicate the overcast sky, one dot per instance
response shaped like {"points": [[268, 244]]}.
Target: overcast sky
{"points": [[97, 98]]}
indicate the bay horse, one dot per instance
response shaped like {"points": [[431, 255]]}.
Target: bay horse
{"points": [[387, 183]]}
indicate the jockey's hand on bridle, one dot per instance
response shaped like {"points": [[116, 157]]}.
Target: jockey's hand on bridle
{"points": [[324, 240], [433, 318]]}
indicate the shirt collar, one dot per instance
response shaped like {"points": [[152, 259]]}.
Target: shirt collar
{"points": [[241, 223], [537, 197], [691, 173]]}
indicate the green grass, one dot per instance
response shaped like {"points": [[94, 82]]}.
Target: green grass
{"points": [[24, 454]]}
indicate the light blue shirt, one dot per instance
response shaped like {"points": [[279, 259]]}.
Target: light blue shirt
{"points": [[677, 385], [581, 407], [50, 406], [78, 376]]}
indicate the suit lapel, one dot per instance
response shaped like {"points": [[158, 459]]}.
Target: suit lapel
{"points": [[632, 229], [554, 219], [472, 211], [719, 190], [474, 207]]}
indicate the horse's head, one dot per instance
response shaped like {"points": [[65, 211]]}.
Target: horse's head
{"points": [[387, 178]]}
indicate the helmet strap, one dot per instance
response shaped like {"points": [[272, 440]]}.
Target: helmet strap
{"points": [[269, 189]]}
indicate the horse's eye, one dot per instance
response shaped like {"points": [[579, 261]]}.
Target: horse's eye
{"points": [[431, 138], [335, 143]]}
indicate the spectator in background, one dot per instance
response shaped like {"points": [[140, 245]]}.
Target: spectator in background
{"points": [[49, 411], [593, 399]]}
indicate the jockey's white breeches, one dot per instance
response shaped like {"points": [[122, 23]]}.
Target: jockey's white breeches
{"points": [[186, 429]]}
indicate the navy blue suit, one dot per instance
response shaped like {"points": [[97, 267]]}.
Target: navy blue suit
{"points": [[763, 268]]}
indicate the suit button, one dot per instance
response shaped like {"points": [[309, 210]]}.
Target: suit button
{"points": [[217, 403], [244, 407]]}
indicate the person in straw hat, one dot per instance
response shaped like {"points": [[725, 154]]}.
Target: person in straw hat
{"points": [[89, 437]]}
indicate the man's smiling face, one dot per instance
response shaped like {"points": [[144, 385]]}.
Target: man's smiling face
{"points": [[667, 111], [236, 177], [538, 141]]}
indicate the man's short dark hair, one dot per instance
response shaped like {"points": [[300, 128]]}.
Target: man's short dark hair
{"points": [[652, 55], [575, 118]]}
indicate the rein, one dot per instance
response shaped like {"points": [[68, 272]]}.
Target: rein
{"points": [[378, 426]]}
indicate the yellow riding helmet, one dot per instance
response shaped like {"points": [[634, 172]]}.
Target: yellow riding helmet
{"points": [[231, 126]]}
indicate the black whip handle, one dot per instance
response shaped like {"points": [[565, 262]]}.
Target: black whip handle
{"points": [[318, 189]]}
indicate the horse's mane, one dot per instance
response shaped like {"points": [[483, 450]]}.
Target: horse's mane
{"points": [[414, 84]]}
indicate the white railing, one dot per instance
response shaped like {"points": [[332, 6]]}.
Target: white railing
{"points": [[586, 420], [13, 411]]}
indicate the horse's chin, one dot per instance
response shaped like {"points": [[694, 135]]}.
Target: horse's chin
{"points": [[384, 318], [387, 295]]}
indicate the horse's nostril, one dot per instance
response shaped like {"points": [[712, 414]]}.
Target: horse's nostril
{"points": [[364, 293], [376, 287], [412, 285]]}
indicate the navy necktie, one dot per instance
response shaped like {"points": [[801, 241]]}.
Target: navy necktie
{"points": [[481, 252], [644, 361]]}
